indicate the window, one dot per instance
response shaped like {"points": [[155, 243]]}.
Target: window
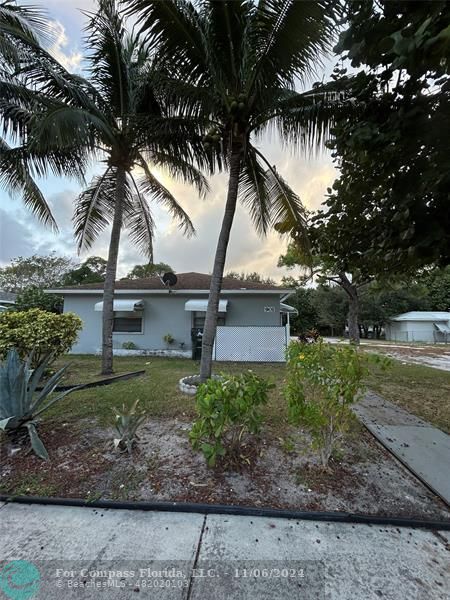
{"points": [[127, 324], [199, 319]]}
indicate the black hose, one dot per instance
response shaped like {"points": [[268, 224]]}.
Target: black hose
{"points": [[94, 384], [247, 511]]}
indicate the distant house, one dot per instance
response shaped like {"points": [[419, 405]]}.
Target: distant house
{"points": [[7, 300], [168, 319], [419, 326]]}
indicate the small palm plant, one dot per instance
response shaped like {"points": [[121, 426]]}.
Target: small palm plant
{"points": [[21, 402], [127, 421]]}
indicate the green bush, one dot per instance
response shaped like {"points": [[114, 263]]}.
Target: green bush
{"points": [[129, 346], [34, 297], [323, 382], [229, 409], [38, 331]]}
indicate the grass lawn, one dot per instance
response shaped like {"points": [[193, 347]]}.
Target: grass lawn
{"points": [[157, 390], [421, 390]]}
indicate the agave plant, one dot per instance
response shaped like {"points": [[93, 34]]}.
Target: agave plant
{"points": [[127, 421], [21, 402]]}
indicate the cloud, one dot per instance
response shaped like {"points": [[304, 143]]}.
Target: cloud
{"points": [[68, 57]]}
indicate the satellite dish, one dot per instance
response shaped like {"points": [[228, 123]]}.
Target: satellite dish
{"points": [[169, 279]]}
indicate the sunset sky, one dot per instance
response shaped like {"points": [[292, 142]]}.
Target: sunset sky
{"points": [[21, 234]]}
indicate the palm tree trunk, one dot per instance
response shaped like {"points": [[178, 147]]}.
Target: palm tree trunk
{"points": [[209, 331], [110, 278]]}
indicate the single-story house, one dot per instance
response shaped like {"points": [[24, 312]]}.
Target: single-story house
{"points": [[419, 326], [7, 300], [156, 318]]}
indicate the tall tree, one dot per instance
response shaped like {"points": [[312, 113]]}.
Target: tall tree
{"points": [[34, 271], [393, 153], [149, 270], [92, 270], [22, 29], [116, 116], [236, 64]]}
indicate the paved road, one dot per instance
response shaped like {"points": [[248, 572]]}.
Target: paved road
{"points": [[194, 556], [424, 449]]}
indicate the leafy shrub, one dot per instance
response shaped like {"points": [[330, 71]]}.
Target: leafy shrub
{"points": [[34, 297], [38, 331], [229, 409], [20, 402], [129, 346], [127, 421], [323, 382], [169, 339]]}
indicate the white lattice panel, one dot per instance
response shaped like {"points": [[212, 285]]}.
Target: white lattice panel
{"points": [[252, 344]]}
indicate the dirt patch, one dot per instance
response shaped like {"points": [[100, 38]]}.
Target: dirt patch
{"points": [[283, 473], [437, 357]]}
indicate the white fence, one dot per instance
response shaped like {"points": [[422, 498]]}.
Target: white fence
{"points": [[251, 344]]}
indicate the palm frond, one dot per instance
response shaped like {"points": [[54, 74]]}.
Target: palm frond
{"points": [[149, 184], [291, 37], [15, 177], [94, 209], [173, 27], [253, 192], [138, 221], [287, 213]]}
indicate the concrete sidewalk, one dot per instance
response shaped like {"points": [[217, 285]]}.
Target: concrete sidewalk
{"points": [[92, 553], [424, 449]]}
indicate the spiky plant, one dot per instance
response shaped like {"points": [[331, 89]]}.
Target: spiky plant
{"points": [[20, 401]]}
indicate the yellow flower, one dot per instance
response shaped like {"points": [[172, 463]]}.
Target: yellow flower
{"points": [[301, 356]]}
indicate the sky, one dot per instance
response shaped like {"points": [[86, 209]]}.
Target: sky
{"points": [[22, 235]]}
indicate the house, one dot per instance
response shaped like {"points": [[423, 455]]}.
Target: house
{"points": [[154, 317], [419, 326], [7, 300]]}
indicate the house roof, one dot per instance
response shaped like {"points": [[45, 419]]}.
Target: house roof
{"points": [[422, 315], [185, 282]]}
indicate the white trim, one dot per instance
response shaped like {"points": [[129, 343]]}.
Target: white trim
{"points": [[202, 305], [123, 305]]}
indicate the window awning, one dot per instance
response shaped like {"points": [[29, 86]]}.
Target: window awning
{"points": [[202, 305], [123, 305], [442, 328], [288, 309]]}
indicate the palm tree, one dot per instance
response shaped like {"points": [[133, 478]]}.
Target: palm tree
{"points": [[112, 115], [22, 29], [237, 63]]}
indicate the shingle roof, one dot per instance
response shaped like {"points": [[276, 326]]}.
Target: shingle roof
{"points": [[186, 281], [422, 315]]}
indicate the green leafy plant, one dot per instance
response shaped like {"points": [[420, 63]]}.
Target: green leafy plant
{"points": [[229, 409], [20, 401], [323, 382], [169, 339], [38, 333], [129, 346], [126, 422]]}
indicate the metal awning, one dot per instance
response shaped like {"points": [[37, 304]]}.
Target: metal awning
{"points": [[442, 328], [202, 305], [288, 309], [123, 305]]}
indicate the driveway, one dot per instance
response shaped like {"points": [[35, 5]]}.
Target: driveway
{"points": [[80, 552], [436, 356]]}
